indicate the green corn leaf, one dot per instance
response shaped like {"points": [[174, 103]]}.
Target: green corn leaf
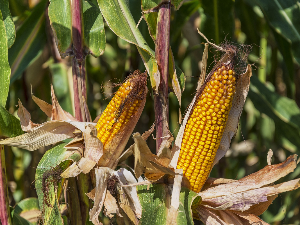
{"points": [[153, 201], [184, 211], [61, 22], [94, 35], [48, 182], [282, 110], [9, 125], [30, 40], [284, 17], [8, 23], [4, 65], [216, 20], [61, 86], [120, 20], [28, 208], [150, 4]]}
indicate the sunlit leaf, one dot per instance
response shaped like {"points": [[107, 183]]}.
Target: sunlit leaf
{"points": [[61, 23], [4, 65], [30, 40], [9, 125], [282, 110], [28, 209], [151, 4], [8, 23], [284, 17], [153, 201], [61, 86], [94, 35], [48, 181], [120, 20], [216, 21]]}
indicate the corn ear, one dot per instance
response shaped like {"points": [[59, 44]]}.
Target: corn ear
{"points": [[120, 117], [205, 126]]}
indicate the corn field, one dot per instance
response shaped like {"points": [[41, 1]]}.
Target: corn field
{"points": [[149, 112]]}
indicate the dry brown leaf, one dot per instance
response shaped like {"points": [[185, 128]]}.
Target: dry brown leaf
{"points": [[125, 206], [25, 118], [251, 219], [102, 175], [93, 146], [126, 178], [46, 134], [71, 171], [57, 113], [219, 217], [146, 162], [265, 176], [32, 215], [44, 106], [240, 202], [130, 150], [203, 67], [110, 205]]}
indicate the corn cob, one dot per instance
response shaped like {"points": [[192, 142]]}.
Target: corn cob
{"points": [[120, 116], [205, 126]]}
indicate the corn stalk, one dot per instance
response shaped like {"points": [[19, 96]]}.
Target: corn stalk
{"points": [[161, 98]]}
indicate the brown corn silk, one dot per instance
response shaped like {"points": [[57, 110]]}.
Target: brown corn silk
{"points": [[206, 123], [120, 116]]}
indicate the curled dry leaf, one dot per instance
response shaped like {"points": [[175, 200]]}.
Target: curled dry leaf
{"points": [[146, 162], [126, 178], [116, 191], [46, 134], [130, 150], [25, 118], [246, 198], [102, 175]]}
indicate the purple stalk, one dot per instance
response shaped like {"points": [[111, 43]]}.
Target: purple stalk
{"points": [[4, 210], [78, 61], [161, 99]]}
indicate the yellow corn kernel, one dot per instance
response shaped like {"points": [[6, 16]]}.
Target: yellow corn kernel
{"points": [[214, 103], [122, 107]]}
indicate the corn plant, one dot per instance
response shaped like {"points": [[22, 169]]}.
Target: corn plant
{"points": [[115, 72]]}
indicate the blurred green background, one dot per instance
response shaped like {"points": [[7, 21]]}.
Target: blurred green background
{"points": [[271, 116]]}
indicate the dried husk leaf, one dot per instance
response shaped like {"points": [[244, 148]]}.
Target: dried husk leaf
{"points": [[110, 205], [130, 150], [44, 106], [71, 171], [25, 118], [54, 111], [102, 174], [265, 176], [46, 134], [93, 146], [203, 67], [114, 149], [125, 178], [146, 162], [246, 198], [57, 113], [218, 217]]}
